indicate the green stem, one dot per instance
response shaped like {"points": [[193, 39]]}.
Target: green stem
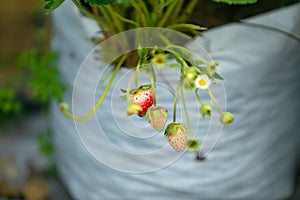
{"points": [[129, 84], [175, 102], [178, 57], [137, 72], [198, 98], [153, 81], [214, 100], [189, 52], [101, 98], [186, 113]]}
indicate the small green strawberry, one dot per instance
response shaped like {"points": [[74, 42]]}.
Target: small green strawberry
{"points": [[226, 118], [176, 135], [157, 117], [140, 100], [206, 110]]}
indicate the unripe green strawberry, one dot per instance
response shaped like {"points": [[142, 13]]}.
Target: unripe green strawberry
{"points": [[157, 117], [176, 135], [206, 110], [141, 99]]}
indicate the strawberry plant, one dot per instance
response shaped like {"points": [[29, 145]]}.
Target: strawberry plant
{"points": [[195, 73]]}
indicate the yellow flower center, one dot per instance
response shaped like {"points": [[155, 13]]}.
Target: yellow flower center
{"points": [[202, 82]]}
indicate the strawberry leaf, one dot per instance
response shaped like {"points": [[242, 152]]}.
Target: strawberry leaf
{"points": [[53, 4], [218, 76], [99, 2]]}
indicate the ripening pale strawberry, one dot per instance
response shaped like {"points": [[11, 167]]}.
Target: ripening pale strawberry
{"points": [[176, 135], [157, 117], [140, 100]]}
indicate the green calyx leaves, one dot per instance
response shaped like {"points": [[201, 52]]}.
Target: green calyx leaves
{"points": [[173, 128]]}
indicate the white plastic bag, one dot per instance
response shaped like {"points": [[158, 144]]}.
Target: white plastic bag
{"points": [[254, 158]]}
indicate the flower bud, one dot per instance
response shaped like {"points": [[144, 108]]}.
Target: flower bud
{"points": [[206, 110], [157, 117], [226, 118], [191, 74], [64, 106]]}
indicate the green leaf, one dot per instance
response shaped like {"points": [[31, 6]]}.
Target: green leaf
{"points": [[99, 2], [53, 4], [236, 1], [218, 76]]}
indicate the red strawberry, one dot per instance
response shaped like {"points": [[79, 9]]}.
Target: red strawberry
{"points": [[139, 101], [176, 135]]}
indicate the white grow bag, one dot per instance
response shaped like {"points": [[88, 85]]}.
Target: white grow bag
{"points": [[255, 157]]}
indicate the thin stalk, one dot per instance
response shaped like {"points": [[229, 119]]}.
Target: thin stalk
{"points": [[129, 84], [137, 72], [178, 58], [190, 52], [214, 100], [198, 98], [101, 98], [188, 122], [153, 81], [175, 102]]}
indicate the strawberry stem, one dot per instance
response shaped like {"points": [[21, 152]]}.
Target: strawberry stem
{"points": [[214, 100], [198, 98], [186, 113], [88, 115], [175, 102], [153, 80]]}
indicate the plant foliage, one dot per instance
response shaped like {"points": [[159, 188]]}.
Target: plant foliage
{"points": [[236, 1]]}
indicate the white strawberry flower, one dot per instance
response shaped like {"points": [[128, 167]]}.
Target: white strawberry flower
{"points": [[202, 82]]}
